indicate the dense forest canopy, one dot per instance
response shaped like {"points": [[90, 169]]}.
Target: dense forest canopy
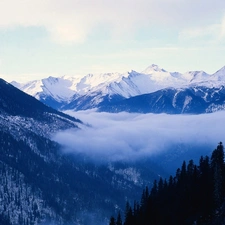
{"points": [[195, 195]]}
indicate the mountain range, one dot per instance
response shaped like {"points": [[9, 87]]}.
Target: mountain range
{"points": [[41, 183], [152, 90]]}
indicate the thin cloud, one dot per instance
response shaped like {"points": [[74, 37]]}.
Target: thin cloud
{"points": [[222, 30], [209, 33], [200, 32], [73, 20], [127, 136]]}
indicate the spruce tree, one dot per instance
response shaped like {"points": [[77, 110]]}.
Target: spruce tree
{"points": [[112, 221], [119, 219], [217, 164], [128, 215]]}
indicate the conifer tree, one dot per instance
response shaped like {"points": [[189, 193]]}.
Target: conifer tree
{"points": [[128, 215], [191, 197], [154, 190], [112, 221], [217, 164], [119, 219]]}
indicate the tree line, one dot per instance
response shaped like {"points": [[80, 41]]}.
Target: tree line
{"points": [[195, 195]]}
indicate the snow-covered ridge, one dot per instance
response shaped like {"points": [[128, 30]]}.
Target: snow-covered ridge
{"points": [[65, 89]]}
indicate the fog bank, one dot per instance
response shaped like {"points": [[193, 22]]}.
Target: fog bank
{"points": [[126, 136]]}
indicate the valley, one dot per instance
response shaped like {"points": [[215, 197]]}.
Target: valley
{"points": [[105, 145], [112, 112]]}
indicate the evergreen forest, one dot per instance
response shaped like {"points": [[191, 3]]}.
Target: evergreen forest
{"points": [[195, 195]]}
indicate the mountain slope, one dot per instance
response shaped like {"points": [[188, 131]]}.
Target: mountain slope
{"points": [[27, 154], [193, 100], [40, 183], [16, 102], [99, 90]]}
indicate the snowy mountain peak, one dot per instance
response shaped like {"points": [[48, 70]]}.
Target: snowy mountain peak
{"points": [[222, 70], [152, 69], [220, 74], [196, 76], [52, 79], [91, 89]]}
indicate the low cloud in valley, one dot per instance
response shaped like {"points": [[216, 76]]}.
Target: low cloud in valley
{"points": [[125, 136]]}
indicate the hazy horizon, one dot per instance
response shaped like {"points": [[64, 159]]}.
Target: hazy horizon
{"points": [[55, 38]]}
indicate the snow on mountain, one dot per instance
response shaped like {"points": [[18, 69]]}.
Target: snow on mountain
{"points": [[43, 182], [196, 76], [200, 78], [219, 75], [160, 78], [96, 88], [125, 84], [58, 88], [32, 87]]}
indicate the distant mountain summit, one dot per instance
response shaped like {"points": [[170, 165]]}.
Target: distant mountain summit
{"points": [[102, 90], [15, 102], [153, 68]]}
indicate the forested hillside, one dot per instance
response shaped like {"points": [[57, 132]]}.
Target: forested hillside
{"points": [[41, 183], [195, 195]]}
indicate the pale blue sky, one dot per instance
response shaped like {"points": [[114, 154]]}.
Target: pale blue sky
{"points": [[41, 38]]}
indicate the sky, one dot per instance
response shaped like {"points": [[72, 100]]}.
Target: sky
{"points": [[41, 38], [127, 136]]}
